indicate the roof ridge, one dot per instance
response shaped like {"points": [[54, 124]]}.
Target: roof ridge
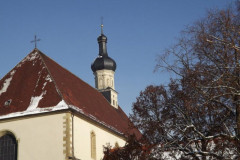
{"points": [[55, 84]]}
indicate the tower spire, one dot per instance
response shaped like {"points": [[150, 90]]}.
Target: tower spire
{"points": [[103, 68], [102, 41], [101, 25]]}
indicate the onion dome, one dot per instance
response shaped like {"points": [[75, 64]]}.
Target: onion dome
{"points": [[103, 61]]}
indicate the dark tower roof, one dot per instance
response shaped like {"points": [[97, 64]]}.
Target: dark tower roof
{"points": [[103, 61]]}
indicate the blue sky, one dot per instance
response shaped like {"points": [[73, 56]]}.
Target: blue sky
{"points": [[137, 30]]}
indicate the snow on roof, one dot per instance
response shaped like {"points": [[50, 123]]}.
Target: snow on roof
{"points": [[35, 100], [34, 111], [6, 83]]}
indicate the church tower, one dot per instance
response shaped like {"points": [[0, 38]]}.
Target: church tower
{"points": [[104, 68]]}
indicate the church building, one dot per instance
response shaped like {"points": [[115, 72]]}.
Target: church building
{"points": [[46, 112]]}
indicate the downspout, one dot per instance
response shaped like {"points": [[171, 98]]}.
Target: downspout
{"points": [[73, 156], [73, 136]]}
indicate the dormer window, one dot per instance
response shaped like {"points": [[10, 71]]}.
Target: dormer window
{"points": [[8, 102]]}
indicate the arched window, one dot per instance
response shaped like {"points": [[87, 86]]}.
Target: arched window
{"points": [[8, 147], [93, 145]]}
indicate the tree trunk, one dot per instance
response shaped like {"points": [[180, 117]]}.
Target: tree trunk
{"points": [[238, 129], [204, 148]]}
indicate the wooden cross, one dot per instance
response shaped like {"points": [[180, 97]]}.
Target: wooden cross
{"points": [[35, 40]]}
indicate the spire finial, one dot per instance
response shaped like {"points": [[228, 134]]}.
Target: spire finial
{"points": [[102, 25], [35, 40]]}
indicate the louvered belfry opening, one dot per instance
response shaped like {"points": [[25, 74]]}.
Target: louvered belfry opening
{"points": [[8, 147]]}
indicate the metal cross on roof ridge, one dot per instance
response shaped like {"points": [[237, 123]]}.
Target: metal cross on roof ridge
{"points": [[35, 40]]}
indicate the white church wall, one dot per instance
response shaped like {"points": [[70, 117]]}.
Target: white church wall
{"points": [[39, 137], [49, 136], [82, 139]]}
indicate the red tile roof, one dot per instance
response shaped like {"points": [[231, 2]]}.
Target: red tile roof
{"points": [[37, 84]]}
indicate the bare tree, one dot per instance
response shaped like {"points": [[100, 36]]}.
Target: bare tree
{"points": [[176, 125], [197, 116], [206, 60]]}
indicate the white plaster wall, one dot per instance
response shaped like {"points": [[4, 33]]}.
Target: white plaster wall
{"points": [[101, 78], [105, 76], [39, 138], [82, 145], [42, 137]]}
